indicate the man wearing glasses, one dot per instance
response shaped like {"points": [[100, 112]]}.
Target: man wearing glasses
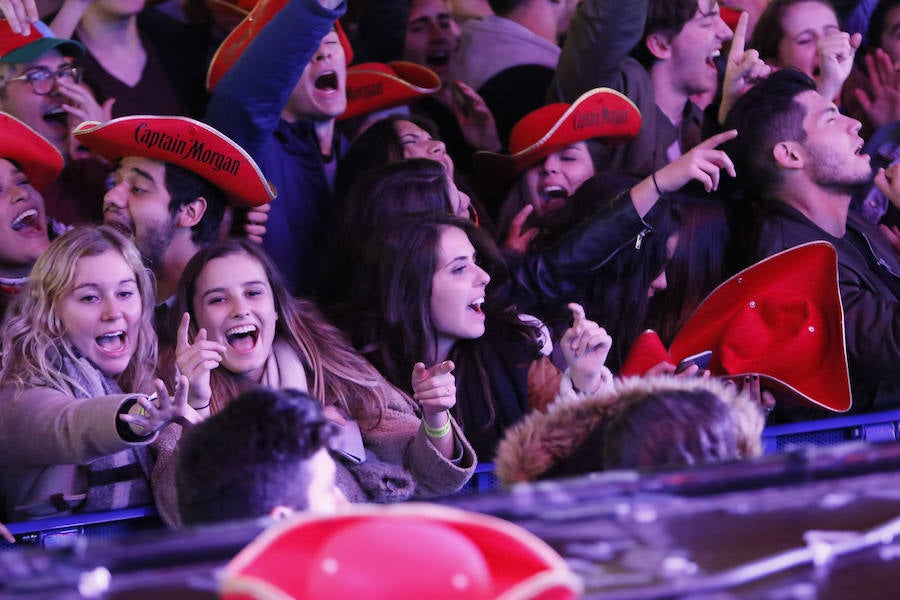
{"points": [[41, 86]]}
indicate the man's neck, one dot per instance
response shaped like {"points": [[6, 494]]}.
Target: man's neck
{"points": [[169, 271], [537, 17], [669, 99], [827, 209]]}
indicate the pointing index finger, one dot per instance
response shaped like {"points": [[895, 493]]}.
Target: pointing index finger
{"points": [[739, 41], [577, 313], [719, 138], [182, 339]]}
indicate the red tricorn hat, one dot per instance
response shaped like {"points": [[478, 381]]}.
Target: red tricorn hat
{"points": [[187, 143], [227, 14], [39, 160], [377, 86], [240, 37], [781, 318], [598, 113], [403, 552]]}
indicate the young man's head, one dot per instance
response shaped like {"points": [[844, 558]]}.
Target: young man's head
{"points": [[681, 39], [174, 178], [265, 450], [153, 200], [432, 36], [34, 71], [788, 133], [321, 93]]}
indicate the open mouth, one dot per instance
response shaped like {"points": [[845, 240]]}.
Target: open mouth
{"points": [[711, 59], [438, 59], [477, 306], [554, 192], [243, 337], [112, 342], [57, 117], [27, 218], [327, 82]]}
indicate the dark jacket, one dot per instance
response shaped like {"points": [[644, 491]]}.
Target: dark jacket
{"points": [[246, 106], [869, 278], [540, 283], [596, 54]]}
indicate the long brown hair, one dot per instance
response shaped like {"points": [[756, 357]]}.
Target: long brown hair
{"points": [[337, 374]]}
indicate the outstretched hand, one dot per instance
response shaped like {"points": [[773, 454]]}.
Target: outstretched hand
{"points": [[474, 117], [154, 415], [836, 54], [704, 162]]}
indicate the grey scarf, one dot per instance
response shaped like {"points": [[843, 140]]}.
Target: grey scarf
{"points": [[118, 480]]}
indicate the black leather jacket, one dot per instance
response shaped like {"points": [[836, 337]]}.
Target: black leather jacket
{"points": [[869, 279]]}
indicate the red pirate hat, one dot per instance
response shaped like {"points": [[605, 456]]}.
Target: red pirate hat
{"points": [[408, 551], [730, 15], [598, 113], [18, 48], [781, 318], [187, 143], [646, 352], [227, 14], [39, 160], [377, 86], [240, 37]]}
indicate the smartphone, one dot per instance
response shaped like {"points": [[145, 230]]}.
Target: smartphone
{"points": [[701, 359]]}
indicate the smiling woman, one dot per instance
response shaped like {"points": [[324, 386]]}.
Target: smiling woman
{"points": [[239, 328], [78, 334]]}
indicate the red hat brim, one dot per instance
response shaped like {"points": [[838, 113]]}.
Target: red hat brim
{"points": [[39, 160], [781, 318], [730, 15], [372, 87], [601, 113], [187, 143], [233, 46], [286, 560]]}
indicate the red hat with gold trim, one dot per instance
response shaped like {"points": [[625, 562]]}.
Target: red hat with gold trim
{"points": [[240, 37], [378, 86], [39, 160], [781, 318], [187, 143], [403, 552], [598, 113]]}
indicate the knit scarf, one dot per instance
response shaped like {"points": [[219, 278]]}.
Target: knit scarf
{"points": [[117, 480]]}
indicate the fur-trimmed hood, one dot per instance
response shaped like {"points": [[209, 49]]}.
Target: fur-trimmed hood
{"points": [[543, 441]]}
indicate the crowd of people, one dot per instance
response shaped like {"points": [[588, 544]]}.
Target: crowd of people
{"points": [[222, 297]]}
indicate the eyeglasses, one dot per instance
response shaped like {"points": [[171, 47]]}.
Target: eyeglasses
{"points": [[42, 80]]}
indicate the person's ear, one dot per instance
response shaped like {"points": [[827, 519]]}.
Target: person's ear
{"points": [[192, 212], [789, 155], [659, 45]]}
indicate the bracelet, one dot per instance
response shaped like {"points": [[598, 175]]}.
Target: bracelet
{"points": [[656, 185], [200, 407], [439, 432]]}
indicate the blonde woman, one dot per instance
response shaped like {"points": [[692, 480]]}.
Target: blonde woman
{"points": [[80, 332]]}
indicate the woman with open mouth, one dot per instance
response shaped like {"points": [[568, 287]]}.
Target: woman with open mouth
{"points": [[78, 335], [239, 328]]}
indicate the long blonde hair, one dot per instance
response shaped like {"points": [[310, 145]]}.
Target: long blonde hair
{"points": [[32, 335]]}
